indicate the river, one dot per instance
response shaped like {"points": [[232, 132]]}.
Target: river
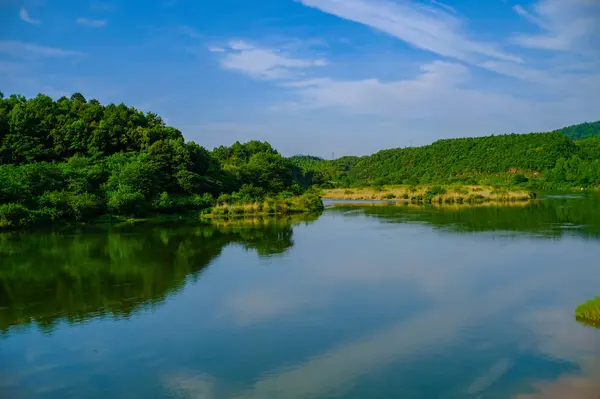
{"points": [[367, 301]]}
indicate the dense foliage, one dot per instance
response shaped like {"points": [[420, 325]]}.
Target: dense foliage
{"points": [[542, 160], [76, 160], [581, 131]]}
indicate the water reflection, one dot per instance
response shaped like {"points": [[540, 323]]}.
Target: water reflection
{"points": [[50, 276], [581, 386], [360, 306], [551, 217]]}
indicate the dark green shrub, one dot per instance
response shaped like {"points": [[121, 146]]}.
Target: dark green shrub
{"points": [[435, 191], [520, 178], [14, 215], [126, 201]]}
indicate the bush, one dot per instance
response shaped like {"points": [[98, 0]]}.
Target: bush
{"points": [[14, 215], [405, 196], [435, 191], [126, 201], [390, 196], [84, 206], [520, 178]]}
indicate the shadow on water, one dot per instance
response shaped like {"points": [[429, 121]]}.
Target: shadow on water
{"points": [[47, 277], [550, 218]]}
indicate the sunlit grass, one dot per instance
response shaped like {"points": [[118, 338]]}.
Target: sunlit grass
{"points": [[589, 312], [451, 194], [270, 206]]}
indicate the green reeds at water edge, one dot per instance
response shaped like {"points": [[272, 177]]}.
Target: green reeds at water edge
{"points": [[589, 312], [305, 203]]}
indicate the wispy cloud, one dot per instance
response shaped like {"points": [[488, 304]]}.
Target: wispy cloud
{"points": [[438, 90], [24, 15], [432, 28], [30, 50], [92, 23], [263, 63], [566, 25]]}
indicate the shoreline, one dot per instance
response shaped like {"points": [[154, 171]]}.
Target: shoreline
{"points": [[445, 194]]}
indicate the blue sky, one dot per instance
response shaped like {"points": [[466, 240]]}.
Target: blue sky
{"points": [[316, 76]]}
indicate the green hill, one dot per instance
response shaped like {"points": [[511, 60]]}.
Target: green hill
{"points": [[74, 159], [542, 160], [581, 131]]}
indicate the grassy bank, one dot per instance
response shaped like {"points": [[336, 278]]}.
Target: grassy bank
{"points": [[589, 312], [225, 207], [430, 194], [305, 203]]}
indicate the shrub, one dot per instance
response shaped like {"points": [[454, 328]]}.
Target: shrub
{"points": [[520, 178], [224, 199], [14, 215], [126, 201], [390, 196], [84, 206], [435, 191], [405, 196]]}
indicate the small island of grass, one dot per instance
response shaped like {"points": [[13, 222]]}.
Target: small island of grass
{"points": [[589, 312]]}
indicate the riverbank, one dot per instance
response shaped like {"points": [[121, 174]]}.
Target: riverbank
{"points": [[589, 312], [308, 203], [430, 194]]}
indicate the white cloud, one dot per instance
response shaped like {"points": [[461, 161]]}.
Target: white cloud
{"points": [[566, 25], [264, 63], [435, 29], [438, 91], [24, 15], [92, 23], [30, 50], [216, 49]]}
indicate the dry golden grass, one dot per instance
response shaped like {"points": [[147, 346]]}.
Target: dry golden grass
{"points": [[404, 193]]}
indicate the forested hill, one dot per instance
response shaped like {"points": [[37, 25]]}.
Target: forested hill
{"points": [[581, 131], [78, 159], [545, 160]]}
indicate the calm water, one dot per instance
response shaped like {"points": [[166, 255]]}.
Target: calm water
{"points": [[363, 302]]}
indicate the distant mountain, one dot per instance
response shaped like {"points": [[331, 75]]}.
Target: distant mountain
{"points": [[581, 131]]}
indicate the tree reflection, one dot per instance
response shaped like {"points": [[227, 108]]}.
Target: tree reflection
{"points": [[46, 277], [550, 218]]}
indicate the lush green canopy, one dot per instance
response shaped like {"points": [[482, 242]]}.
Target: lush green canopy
{"points": [[79, 159], [542, 159]]}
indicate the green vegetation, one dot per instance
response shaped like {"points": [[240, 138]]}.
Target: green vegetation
{"points": [[74, 160], [308, 202], [589, 312], [581, 131], [449, 194], [537, 161]]}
